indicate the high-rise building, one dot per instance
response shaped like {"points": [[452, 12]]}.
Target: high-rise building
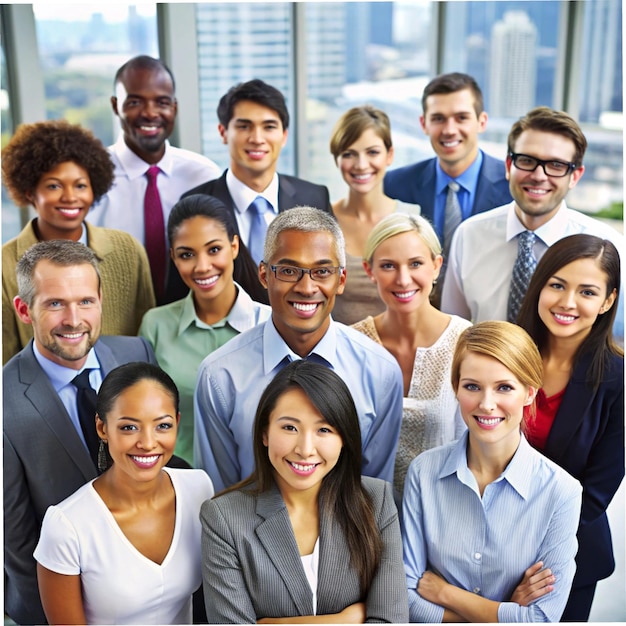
{"points": [[513, 72]]}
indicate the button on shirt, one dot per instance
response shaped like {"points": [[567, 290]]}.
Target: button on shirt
{"points": [[122, 206], [61, 380], [484, 545], [231, 380]]}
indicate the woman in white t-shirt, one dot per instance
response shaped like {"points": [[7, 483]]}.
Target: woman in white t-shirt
{"points": [[124, 548]]}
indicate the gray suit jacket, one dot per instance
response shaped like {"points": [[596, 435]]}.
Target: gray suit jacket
{"points": [[45, 461], [252, 567]]}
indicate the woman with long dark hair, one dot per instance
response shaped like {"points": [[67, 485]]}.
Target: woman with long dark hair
{"points": [[569, 310], [305, 538], [209, 258]]}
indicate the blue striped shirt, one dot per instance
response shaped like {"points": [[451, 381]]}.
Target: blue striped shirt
{"points": [[484, 545]]}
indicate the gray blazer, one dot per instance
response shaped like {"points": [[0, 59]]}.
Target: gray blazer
{"points": [[251, 566], [45, 461]]}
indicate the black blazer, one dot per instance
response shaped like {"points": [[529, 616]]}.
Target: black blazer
{"points": [[292, 192], [45, 461], [587, 440]]}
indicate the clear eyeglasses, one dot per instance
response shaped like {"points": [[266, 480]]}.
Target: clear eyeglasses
{"points": [[292, 274]]}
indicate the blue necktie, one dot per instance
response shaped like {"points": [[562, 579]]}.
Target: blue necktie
{"points": [[258, 227], [523, 270]]}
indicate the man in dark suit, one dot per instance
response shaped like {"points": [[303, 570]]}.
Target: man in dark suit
{"points": [[452, 117], [46, 447], [253, 123]]}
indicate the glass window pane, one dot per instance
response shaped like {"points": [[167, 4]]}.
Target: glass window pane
{"points": [[238, 41], [81, 46], [384, 61]]}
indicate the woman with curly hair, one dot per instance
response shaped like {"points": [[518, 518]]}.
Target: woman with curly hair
{"points": [[61, 169]]}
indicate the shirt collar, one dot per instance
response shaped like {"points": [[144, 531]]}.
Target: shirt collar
{"points": [[549, 233], [275, 349], [517, 473], [59, 375], [134, 166], [467, 180], [243, 196]]}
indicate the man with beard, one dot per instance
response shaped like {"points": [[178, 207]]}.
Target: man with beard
{"points": [[150, 174], [49, 451]]}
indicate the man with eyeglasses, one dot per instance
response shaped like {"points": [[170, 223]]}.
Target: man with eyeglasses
{"points": [[545, 160], [303, 269]]}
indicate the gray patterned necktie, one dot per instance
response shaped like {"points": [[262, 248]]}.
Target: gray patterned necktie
{"points": [[523, 270], [452, 216]]}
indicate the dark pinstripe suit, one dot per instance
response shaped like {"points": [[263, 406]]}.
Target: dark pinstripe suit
{"points": [[251, 567]]}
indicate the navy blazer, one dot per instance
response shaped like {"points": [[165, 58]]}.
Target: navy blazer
{"points": [[45, 461], [415, 183], [292, 192], [251, 565], [587, 440]]}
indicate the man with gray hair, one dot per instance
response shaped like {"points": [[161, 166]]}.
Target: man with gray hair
{"points": [[303, 270], [50, 441]]}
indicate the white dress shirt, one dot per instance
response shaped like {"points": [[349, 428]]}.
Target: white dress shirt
{"points": [[243, 197], [122, 206], [483, 252]]}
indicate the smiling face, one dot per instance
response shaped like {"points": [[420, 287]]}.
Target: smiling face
{"points": [[301, 311], [66, 312], [140, 430], [205, 258], [363, 164], [62, 198], [254, 136], [451, 122], [404, 270], [302, 447], [572, 299], [145, 103], [537, 196], [492, 400]]}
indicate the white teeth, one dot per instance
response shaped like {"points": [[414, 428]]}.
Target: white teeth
{"points": [[307, 308], [489, 421], [404, 295], [144, 127], [450, 144], [362, 176], [206, 281], [71, 335], [146, 460], [71, 212], [539, 192], [303, 468], [564, 318]]}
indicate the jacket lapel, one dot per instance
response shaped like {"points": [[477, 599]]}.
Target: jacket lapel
{"points": [[50, 409], [286, 194], [276, 536]]}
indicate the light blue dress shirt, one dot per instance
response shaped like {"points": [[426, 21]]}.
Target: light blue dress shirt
{"points": [[468, 182], [232, 379], [484, 545], [61, 380]]}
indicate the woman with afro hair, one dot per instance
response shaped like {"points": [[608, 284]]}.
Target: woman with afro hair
{"points": [[61, 169]]}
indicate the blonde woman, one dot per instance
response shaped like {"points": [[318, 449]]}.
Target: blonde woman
{"points": [[403, 259]]}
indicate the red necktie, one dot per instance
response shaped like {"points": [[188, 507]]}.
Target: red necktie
{"points": [[154, 230]]}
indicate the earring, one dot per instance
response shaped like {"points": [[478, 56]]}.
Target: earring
{"points": [[104, 459], [434, 282]]}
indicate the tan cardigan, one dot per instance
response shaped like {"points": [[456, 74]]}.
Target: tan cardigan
{"points": [[126, 284]]}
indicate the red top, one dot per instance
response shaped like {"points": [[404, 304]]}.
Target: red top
{"points": [[538, 428]]}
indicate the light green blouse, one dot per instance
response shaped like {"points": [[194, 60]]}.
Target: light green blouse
{"points": [[181, 340]]}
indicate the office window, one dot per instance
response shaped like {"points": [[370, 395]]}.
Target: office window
{"points": [[384, 61], [81, 46], [238, 41]]}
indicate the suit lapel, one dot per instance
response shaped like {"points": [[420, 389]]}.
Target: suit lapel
{"points": [[50, 409], [276, 536], [574, 406], [286, 194]]}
